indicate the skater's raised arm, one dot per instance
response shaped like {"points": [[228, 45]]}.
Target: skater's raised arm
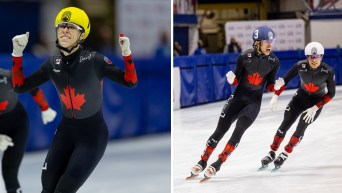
{"points": [[128, 77], [19, 82]]}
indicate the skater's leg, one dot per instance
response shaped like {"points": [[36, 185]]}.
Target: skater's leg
{"points": [[18, 130], [299, 133], [90, 144], [247, 117], [292, 111], [57, 158], [228, 116]]}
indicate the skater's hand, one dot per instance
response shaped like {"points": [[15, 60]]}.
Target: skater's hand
{"points": [[124, 45], [5, 141], [273, 102], [310, 114], [230, 77], [279, 83], [48, 115], [19, 44]]}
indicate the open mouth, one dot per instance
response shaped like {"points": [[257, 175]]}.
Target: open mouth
{"points": [[65, 38]]}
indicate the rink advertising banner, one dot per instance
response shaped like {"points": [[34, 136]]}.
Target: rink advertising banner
{"points": [[289, 33], [143, 22]]}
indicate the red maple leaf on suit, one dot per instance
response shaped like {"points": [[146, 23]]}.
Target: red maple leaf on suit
{"points": [[255, 79], [3, 105], [71, 100], [311, 87]]}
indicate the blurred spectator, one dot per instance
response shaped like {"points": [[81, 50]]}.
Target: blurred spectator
{"points": [[200, 50], [163, 49], [232, 47], [41, 48], [105, 40], [177, 49]]}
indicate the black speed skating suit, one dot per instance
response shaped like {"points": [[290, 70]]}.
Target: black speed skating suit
{"points": [[82, 135], [317, 87], [15, 124], [253, 72]]}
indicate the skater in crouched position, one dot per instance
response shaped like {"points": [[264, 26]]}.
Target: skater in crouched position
{"points": [[14, 128], [255, 68], [81, 137], [317, 88]]}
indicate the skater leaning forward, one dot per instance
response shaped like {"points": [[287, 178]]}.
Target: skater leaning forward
{"points": [[255, 68], [317, 88]]}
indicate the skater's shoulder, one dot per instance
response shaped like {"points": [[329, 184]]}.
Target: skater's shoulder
{"points": [[273, 57], [302, 63], [248, 53], [326, 67]]}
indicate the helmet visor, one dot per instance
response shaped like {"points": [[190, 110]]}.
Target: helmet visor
{"points": [[68, 25], [270, 41], [314, 56]]}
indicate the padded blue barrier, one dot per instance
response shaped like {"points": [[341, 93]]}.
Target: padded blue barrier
{"points": [[145, 109], [203, 77]]}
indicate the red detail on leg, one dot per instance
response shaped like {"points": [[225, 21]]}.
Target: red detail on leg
{"points": [[207, 152], [40, 100], [130, 74], [3, 105], [17, 72], [292, 143], [226, 152], [276, 142]]}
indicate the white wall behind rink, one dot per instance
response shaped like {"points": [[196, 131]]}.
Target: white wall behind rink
{"points": [[289, 33], [327, 31], [176, 88]]}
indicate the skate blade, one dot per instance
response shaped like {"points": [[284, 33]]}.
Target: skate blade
{"points": [[263, 168], [275, 169], [204, 179], [191, 177]]}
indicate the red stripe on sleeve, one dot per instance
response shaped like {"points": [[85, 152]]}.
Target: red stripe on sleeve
{"points": [[278, 92], [236, 82], [17, 72], [40, 100], [324, 101], [270, 88], [130, 74]]}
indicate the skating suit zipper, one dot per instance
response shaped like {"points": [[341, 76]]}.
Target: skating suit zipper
{"points": [[311, 79], [257, 69], [68, 85]]}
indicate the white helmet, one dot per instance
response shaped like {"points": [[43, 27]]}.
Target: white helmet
{"points": [[314, 48]]}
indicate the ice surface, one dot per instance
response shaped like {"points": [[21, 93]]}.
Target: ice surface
{"points": [[315, 165]]}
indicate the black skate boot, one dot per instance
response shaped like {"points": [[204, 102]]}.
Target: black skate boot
{"points": [[267, 160], [198, 168], [212, 169], [280, 160]]}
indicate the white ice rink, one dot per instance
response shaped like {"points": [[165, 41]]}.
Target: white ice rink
{"points": [[315, 165], [136, 165]]}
